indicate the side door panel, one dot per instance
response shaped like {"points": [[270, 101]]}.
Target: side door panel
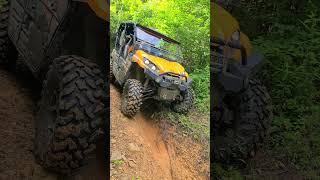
{"points": [[120, 67]]}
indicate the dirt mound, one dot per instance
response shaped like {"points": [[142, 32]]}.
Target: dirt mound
{"points": [[140, 149]]}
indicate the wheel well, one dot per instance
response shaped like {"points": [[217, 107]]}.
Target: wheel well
{"points": [[82, 33], [136, 72]]}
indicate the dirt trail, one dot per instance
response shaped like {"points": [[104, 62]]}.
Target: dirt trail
{"points": [[18, 98], [17, 131], [140, 149]]}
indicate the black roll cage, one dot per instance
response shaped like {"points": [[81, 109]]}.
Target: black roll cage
{"points": [[133, 26]]}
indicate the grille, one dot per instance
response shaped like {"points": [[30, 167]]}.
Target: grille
{"points": [[172, 79]]}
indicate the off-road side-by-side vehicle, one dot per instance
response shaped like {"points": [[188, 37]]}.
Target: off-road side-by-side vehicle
{"points": [[146, 64], [64, 44], [241, 108]]}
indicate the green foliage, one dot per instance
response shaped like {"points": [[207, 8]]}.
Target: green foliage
{"points": [[201, 83], [186, 21], [301, 145], [292, 74], [219, 172], [287, 33], [117, 162], [260, 17]]}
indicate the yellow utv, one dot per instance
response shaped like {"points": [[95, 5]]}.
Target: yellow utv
{"points": [[63, 44], [146, 64], [241, 106]]}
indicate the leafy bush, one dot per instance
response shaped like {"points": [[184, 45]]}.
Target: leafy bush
{"points": [[288, 35], [292, 74], [188, 22], [201, 86]]}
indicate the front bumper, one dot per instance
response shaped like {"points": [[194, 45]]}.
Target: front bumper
{"points": [[166, 81], [237, 78], [233, 76]]}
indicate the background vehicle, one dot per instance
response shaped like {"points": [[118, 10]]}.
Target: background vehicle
{"points": [[63, 44], [241, 106], [146, 64]]}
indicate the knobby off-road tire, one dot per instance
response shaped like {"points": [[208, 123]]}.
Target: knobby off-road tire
{"points": [[21, 67], [111, 75], [70, 116], [131, 99], [238, 140], [7, 50], [187, 102]]}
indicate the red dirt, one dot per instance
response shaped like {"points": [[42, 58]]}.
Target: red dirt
{"points": [[154, 157]]}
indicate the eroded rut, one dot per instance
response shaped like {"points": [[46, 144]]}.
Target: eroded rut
{"points": [[141, 149]]}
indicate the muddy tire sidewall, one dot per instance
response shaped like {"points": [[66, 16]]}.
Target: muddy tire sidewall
{"points": [[186, 104], [7, 50], [131, 99], [21, 68], [111, 75], [71, 110], [245, 135]]}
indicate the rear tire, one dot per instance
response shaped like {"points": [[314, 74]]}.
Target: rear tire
{"points": [[69, 120], [187, 102], [7, 50], [21, 67], [240, 129], [131, 99]]}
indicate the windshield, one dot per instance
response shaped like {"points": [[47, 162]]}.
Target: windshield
{"points": [[158, 46]]}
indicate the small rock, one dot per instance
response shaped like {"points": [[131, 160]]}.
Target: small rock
{"points": [[124, 178], [133, 147], [131, 164], [116, 155], [132, 160], [124, 158], [113, 141]]}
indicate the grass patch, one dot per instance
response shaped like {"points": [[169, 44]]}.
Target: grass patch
{"points": [[117, 162]]}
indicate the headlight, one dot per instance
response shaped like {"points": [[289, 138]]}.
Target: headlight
{"points": [[235, 36], [153, 68], [150, 65]]}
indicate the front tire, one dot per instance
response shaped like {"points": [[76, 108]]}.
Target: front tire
{"points": [[7, 50], [187, 102], [241, 124], [69, 120], [131, 99], [111, 75], [21, 67]]}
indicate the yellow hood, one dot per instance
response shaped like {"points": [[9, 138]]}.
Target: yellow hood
{"points": [[164, 65], [223, 25], [101, 8]]}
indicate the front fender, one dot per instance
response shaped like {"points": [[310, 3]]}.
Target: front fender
{"points": [[100, 7]]}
